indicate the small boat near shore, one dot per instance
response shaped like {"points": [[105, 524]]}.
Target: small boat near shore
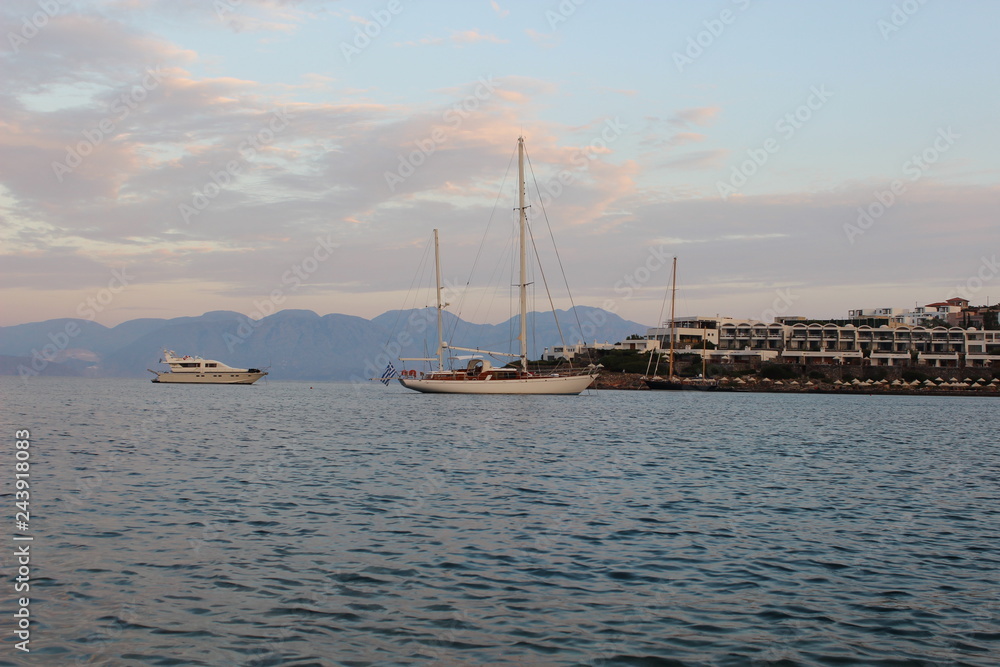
{"points": [[195, 370]]}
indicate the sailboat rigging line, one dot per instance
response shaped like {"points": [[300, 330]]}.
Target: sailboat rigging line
{"points": [[479, 252], [413, 281], [659, 322], [505, 260], [533, 294], [494, 280], [545, 216], [545, 282], [511, 295]]}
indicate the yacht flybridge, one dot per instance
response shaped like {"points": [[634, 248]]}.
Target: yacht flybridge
{"points": [[195, 370], [480, 376]]}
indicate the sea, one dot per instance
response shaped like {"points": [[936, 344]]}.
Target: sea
{"points": [[340, 524]]}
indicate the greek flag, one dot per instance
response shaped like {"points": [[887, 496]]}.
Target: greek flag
{"points": [[387, 375]]}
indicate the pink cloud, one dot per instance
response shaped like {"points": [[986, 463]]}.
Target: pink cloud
{"points": [[695, 116], [682, 138], [473, 36], [280, 16], [457, 37], [709, 159], [546, 40]]}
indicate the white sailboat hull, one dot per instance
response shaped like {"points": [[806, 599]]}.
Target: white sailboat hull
{"points": [[566, 385]]}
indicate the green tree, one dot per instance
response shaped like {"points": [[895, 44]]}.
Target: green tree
{"points": [[628, 361]]}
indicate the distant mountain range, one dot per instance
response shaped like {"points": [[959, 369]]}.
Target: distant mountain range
{"points": [[295, 344]]}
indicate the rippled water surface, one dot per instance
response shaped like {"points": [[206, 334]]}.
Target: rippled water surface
{"points": [[289, 524]]}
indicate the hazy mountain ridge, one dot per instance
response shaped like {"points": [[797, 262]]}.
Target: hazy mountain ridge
{"points": [[295, 344]]}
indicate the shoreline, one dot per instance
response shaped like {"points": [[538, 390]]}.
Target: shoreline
{"points": [[633, 382]]}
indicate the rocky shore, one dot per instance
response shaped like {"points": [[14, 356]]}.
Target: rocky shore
{"points": [[609, 380], [633, 381]]}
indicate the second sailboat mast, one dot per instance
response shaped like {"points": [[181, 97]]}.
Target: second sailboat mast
{"points": [[673, 299], [437, 275], [523, 337]]}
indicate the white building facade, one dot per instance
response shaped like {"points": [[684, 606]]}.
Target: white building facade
{"points": [[817, 343]]}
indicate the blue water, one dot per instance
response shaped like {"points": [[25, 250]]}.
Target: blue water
{"points": [[289, 524]]}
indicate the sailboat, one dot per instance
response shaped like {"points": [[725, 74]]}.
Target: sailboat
{"points": [[479, 375], [672, 382]]}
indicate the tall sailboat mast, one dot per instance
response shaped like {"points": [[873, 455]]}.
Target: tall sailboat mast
{"points": [[523, 337], [440, 307], [673, 298]]}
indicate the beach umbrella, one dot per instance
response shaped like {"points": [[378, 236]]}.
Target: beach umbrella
{"points": [[809, 383], [995, 381], [928, 383], [740, 381], [896, 383], [779, 382], [968, 380], [838, 382], [954, 380], [915, 383], [939, 379], [793, 382]]}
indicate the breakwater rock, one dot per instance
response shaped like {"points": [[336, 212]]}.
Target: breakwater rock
{"points": [[619, 381], [978, 387]]}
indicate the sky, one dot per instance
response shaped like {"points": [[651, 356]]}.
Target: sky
{"points": [[165, 158]]}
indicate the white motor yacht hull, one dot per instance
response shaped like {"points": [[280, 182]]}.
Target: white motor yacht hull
{"points": [[207, 378], [567, 385]]}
